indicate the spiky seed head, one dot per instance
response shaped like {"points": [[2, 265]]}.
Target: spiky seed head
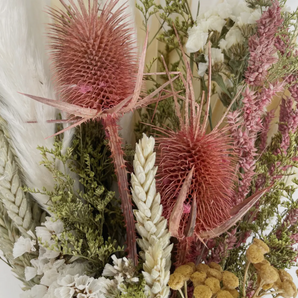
{"points": [[214, 164], [93, 54]]}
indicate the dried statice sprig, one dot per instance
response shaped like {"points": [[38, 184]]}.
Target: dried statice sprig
{"points": [[151, 225]]}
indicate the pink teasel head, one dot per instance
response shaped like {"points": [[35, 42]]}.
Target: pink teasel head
{"points": [[207, 161], [93, 54]]}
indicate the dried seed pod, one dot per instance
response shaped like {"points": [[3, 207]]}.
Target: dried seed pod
{"points": [[267, 286], [202, 291], [185, 270], [262, 245], [203, 267], [254, 254], [198, 278], [259, 265], [230, 280], [234, 293], [284, 275], [176, 281], [215, 266], [214, 273], [213, 283], [289, 289], [268, 274], [192, 265], [224, 294]]}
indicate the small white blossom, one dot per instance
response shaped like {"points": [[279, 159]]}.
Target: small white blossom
{"points": [[67, 281], [44, 234], [224, 9], [82, 282], [37, 291], [54, 226], [49, 277], [197, 39], [233, 37], [64, 292], [202, 68], [286, 8], [93, 287], [214, 23], [248, 18], [216, 56], [22, 246], [238, 7], [30, 272]]}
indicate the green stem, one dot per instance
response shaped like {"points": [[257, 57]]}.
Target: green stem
{"points": [[185, 289], [181, 293], [244, 279]]}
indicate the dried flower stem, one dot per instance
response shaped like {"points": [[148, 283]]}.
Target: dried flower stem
{"points": [[120, 169], [245, 278]]}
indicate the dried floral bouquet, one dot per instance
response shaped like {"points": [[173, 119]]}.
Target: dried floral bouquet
{"points": [[204, 204]]}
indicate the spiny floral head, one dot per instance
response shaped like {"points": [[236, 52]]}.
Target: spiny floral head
{"points": [[94, 56], [213, 159]]}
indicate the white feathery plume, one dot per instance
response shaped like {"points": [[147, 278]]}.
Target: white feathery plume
{"points": [[151, 225], [24, 68]]}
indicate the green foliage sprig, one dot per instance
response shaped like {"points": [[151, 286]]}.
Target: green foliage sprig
{"points": [[90, 212]]}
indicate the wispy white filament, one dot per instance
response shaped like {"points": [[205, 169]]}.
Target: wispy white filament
{"points": [[151, 225], [24, 68]]}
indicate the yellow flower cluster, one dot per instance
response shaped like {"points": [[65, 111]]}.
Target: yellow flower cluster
{"points": [[269, 277], [208, 280]]}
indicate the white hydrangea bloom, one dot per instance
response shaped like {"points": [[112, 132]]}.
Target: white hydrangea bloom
{"points": [[248, 18], [286, 8], [213, 23], [22, 246], [64, 292], [224, 9], [202, 68], [216, 56], [234, 36], [197, 39], [122, 270], [55, 226], [30, 272], [37, 291], [238, 7]]}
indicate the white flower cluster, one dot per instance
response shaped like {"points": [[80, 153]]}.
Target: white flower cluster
{"points": [[151, 225], [61, 280], [23, 245], [123, 269], [214, 20], [44, 234]]}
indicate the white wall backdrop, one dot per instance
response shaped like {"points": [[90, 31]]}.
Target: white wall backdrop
{"points": [[9, 285]]}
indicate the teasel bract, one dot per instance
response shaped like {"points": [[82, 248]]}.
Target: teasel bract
{"points": [[197, 172], [99, 77]]}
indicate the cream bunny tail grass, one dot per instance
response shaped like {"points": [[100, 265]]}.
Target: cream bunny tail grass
{"points": [[24, 68], [151, 225]]}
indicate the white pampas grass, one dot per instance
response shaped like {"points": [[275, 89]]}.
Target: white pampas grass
{"points": [[24, 68], [151, 225]]}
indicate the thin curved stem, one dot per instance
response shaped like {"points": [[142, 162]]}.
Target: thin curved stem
{"points": [[115, 141], [244, 279]]}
